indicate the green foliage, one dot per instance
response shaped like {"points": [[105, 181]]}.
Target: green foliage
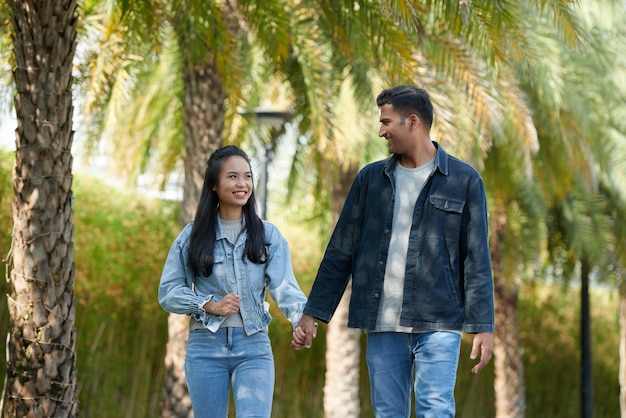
{"points": [[6, 224], [550, 333], [6, 199], [121, 240], [120, 244]]}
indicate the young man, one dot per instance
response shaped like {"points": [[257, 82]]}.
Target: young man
{"points": [[413, 237]]}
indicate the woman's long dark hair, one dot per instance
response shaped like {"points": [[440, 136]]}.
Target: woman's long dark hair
{"points": [[202, 240]]}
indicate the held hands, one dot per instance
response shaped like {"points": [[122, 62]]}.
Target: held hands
{"points": [[228, 305], [304, 333], [483, 342]]}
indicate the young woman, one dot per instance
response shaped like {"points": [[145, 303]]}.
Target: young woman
{"points": [[217, 271]]}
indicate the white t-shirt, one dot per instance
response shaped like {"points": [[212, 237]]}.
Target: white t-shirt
{"points": [[409, 184]]}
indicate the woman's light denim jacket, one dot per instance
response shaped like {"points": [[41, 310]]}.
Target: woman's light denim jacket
{"points": [[182, 293], [448, 283]]}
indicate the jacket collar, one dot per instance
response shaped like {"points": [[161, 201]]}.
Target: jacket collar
{"points": [[441, 161]]}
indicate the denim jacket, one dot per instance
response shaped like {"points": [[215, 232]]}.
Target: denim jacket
{"points": [[182, 293], [448, 281]]}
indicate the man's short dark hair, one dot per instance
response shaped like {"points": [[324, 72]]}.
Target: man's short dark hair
{"points": [[406, 100]]}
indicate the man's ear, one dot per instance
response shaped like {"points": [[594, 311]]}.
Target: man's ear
{"points": [[414, 121]]}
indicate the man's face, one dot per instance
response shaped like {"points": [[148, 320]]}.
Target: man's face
{"points": [[395, 129]]}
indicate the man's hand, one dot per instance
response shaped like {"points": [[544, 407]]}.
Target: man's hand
{"points": [[483, 342], [304, 333]]}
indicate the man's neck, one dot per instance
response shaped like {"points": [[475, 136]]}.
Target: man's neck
{"points": [[423, 152]]}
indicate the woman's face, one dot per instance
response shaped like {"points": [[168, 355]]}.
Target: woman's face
{"points": [[234, 185]]}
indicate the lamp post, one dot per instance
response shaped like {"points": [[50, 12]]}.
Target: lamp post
{"points": [[274, 119]]}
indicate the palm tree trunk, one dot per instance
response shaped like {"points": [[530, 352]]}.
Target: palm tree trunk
{"points": [[41, 362], [204, 122], [622, 350], [341, 386], [586, 381], [343, 349], [509, 367], [176, 401], [509, 385]]}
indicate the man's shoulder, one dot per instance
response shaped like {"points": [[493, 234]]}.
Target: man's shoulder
{"points": [[461, 167]]}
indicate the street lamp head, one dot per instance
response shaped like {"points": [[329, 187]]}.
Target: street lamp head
{"points": [[274, 119], [267, 117]]}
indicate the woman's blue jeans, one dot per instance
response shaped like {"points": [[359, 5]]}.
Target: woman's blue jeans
{"points": [[215, 360], [427, 361]]}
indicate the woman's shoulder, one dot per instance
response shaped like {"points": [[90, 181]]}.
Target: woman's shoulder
{"points": [[269, 227], [185, 233], [271, 232]]}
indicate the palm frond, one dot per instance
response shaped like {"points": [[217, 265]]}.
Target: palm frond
{"points": [[562, 15]]}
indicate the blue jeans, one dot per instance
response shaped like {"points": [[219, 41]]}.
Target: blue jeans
{"points": [[427, 361], [215, 360]]}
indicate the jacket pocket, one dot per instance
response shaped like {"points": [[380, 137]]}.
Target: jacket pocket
{"points": [[445, 219], [219, 275], [455, 292], [447, 204]]}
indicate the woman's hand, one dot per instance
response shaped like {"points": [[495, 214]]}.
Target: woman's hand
{"points": [[304, 333], [228, 305]]}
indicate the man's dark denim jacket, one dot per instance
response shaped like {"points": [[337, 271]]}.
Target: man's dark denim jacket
{"points": [[448, 283]]}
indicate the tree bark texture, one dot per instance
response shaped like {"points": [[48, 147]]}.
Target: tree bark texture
{"points": [[622, 350], [343, 353], [343, 349], [204, 123], [509, 384], [586, 364], [41, 361]]}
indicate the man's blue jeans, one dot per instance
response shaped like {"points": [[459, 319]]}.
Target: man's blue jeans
{"points": [[214, 360], [427, 361]]}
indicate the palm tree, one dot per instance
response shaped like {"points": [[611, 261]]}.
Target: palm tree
{"points": [[581, 232], [515, 208], [575, 128], [569, 148], [195, 52], [317, 46], [41, 372], [458, 129], [362, 32], [604, 131], [613, 189], [291, 43]]}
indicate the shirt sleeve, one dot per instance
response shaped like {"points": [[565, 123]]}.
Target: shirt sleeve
{"points": [[176, 291], [479, 292], [283, 285]]}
